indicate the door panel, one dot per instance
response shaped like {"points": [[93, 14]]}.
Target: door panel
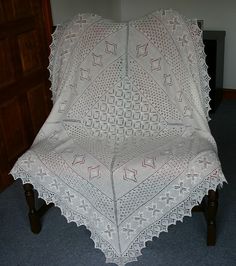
{"points": [[29, 51], [21, 8], [24, 86], [13, 130], [7, 72], [2, 15]]}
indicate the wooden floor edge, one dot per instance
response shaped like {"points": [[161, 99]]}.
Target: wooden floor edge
{"points": [[229, 94]]}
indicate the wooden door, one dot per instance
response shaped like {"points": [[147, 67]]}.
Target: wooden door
{"points": [[25, 102]]}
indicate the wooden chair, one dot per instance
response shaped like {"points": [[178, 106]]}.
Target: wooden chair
{"points": [[208, 206]]}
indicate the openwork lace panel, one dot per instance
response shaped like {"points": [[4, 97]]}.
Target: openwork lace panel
{"points": [[126, 149]]}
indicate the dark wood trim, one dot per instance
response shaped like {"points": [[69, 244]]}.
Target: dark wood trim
{"points": [[229, 94]]}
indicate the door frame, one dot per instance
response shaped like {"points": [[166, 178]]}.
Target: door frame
{"points": [[47, 17]]}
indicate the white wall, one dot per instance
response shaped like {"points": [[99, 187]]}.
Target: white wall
{"points": [[63, 10], [217, 15]]}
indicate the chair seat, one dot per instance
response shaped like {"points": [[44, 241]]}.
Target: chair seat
{"points": [[145, 186]]}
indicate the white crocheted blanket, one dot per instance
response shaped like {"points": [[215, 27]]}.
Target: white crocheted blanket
{"points": [[126, 150]]}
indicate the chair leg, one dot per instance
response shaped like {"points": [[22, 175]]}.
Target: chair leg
{"points": [[212, 206], [33, 214]]}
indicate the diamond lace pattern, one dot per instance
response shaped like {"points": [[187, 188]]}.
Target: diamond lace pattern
{"points": [[126, 150]]}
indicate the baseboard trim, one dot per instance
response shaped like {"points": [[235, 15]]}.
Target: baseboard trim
{"points": [[229, 94]]}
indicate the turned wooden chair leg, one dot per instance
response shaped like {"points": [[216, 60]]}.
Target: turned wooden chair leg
{"points": [[33, 214], [212, 206]]}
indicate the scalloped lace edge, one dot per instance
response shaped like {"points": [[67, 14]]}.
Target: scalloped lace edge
{"points": [[56, 36], [193, 200], [204, 76]]}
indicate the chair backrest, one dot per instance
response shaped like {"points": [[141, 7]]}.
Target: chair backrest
{"points": [[143, 78]]}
